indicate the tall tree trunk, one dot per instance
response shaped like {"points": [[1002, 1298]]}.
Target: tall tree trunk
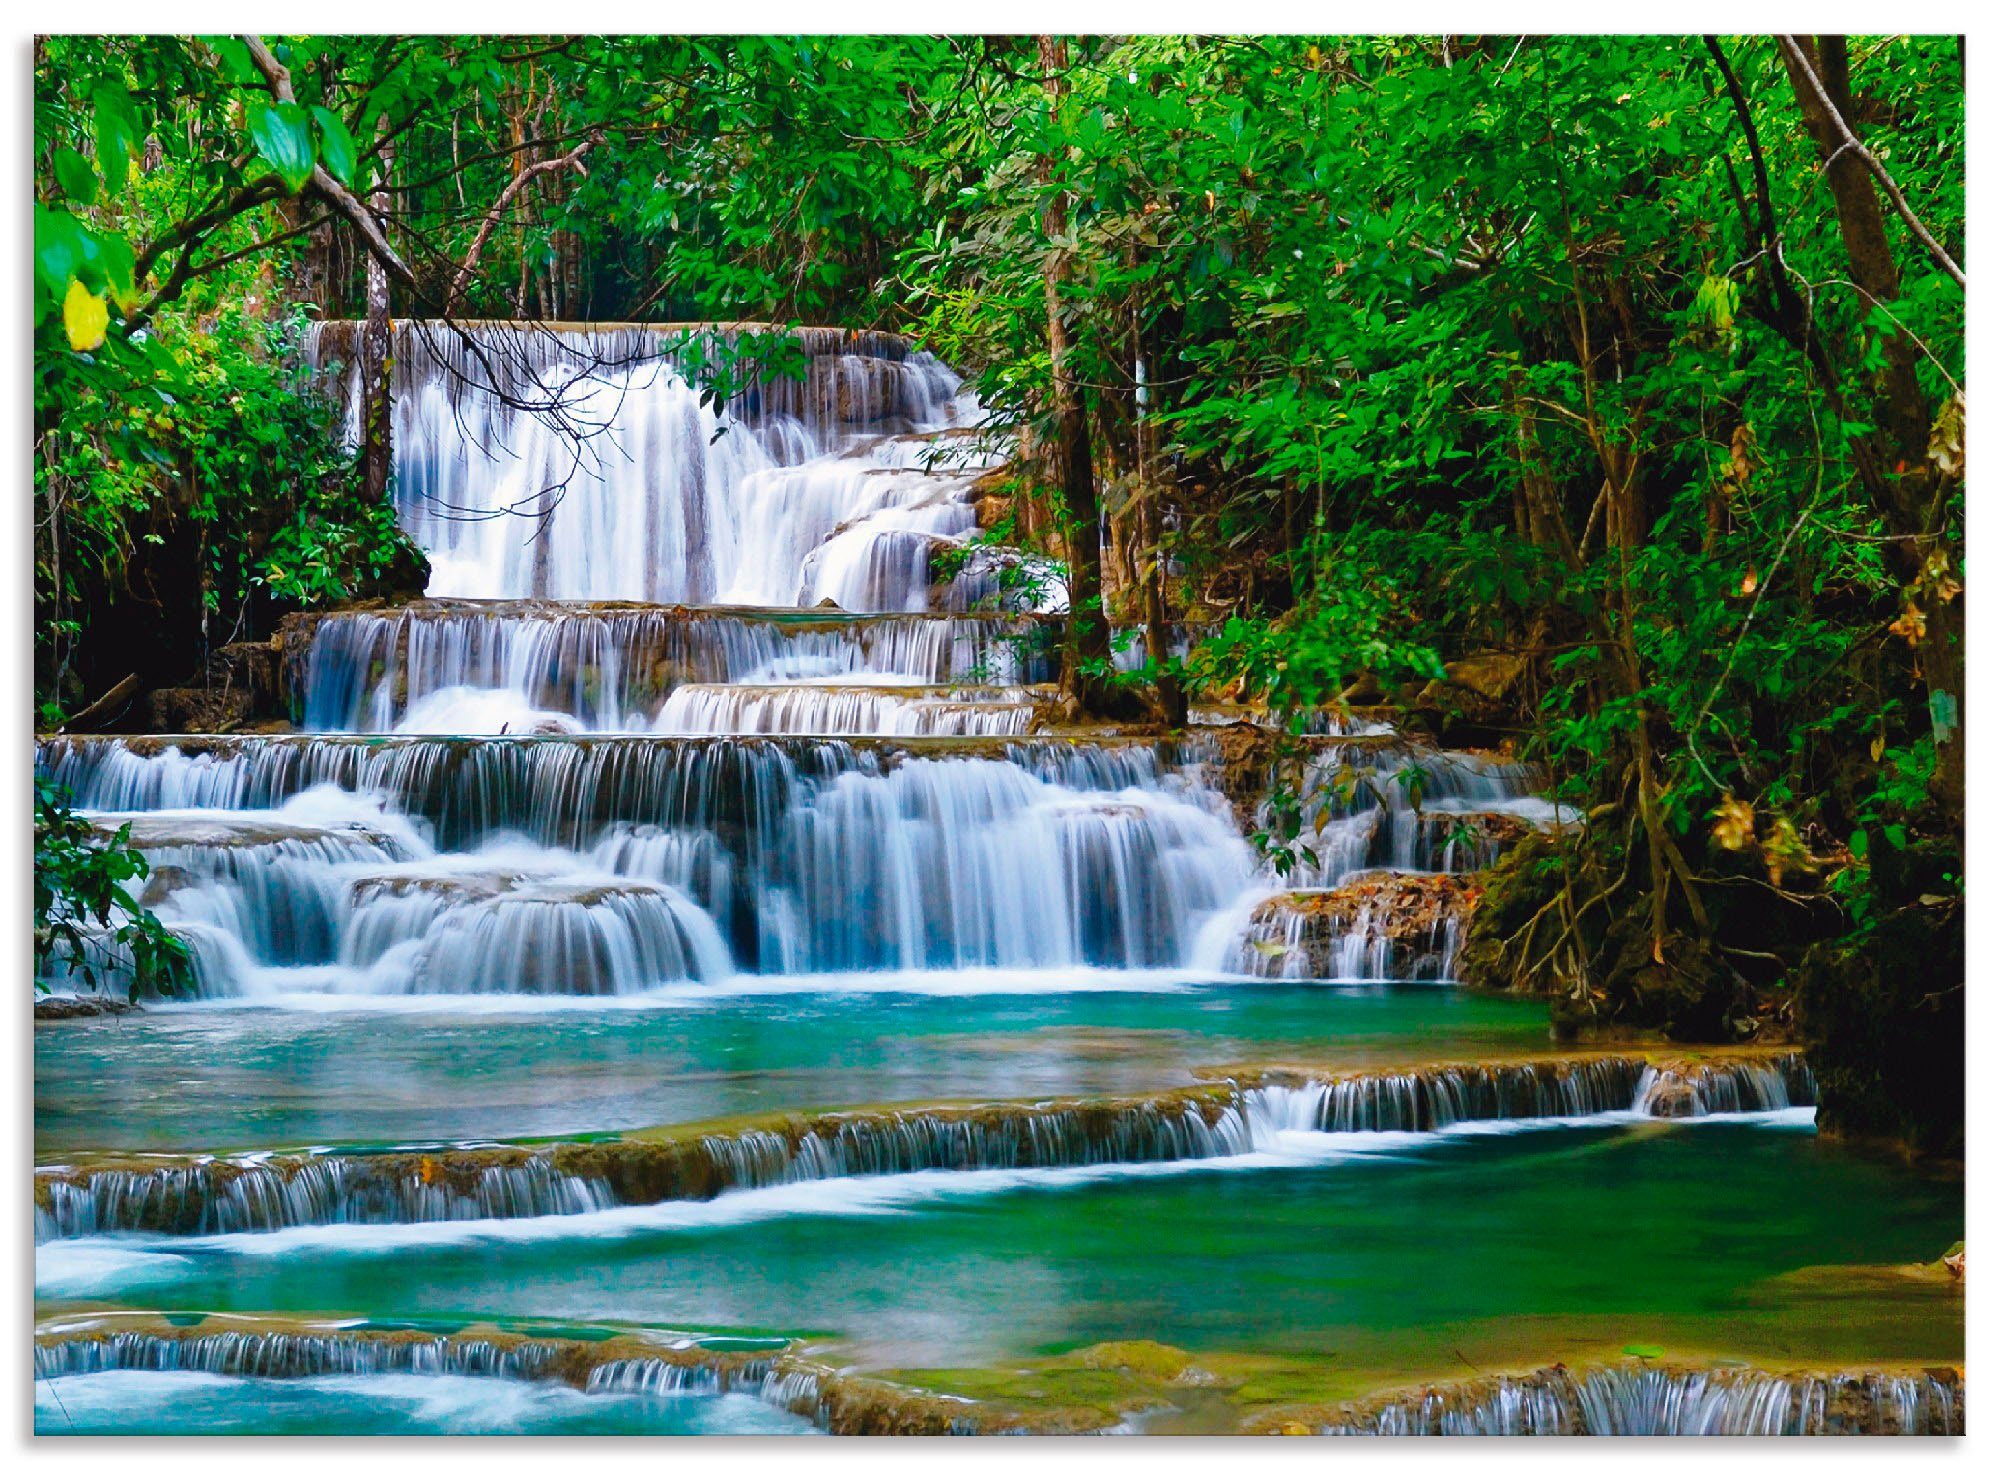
{"points": [[1907, 486], [377, 448], [1167, 687], [1069, 449]]}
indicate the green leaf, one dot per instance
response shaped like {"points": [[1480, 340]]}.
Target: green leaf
{"points": [[1644, 1350], [336, 148], [117, 133], [116, 254], [75, 175], [61, 248], [282, 135], [237, 66]]}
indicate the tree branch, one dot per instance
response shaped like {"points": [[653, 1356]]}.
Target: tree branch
{"points": [[463, 278], [1810, 73], [329, 188]]}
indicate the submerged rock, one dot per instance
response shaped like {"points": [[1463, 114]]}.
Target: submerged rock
{"points": [[77, 1007]]}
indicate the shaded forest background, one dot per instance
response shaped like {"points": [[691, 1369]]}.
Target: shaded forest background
{"points": [[1598, 399]]}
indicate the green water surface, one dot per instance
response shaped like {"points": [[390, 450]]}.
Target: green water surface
{"points": [[195, 1077], [1488, 1248]]}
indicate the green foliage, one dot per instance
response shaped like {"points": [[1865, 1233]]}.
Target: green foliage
{"points": [[1448, 345], [1349, 622], [206, 451], [88, 919], [282, 133], [186, 484]]}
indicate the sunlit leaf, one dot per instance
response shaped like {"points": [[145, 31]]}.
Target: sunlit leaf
{"points": [[85, 317]]}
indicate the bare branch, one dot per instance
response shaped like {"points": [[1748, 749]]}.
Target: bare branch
{"points": [[463, 279], [1810, 74]]}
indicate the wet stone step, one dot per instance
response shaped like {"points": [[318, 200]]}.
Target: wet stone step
{"points": [[209, 1195], [1652, 1400], [595, 1362]]}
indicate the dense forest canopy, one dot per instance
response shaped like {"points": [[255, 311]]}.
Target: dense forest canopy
{"points": [[1601, 395]]}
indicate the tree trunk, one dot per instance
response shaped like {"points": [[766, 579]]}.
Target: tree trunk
{"points": [[1069, 447], [1152, 569], [1908, 488], [377, 448]]}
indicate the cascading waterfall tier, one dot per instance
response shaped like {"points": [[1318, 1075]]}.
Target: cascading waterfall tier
{"points": [[1381, 926], [694, 463], [484, 669], [260, 1192], [814, 854], [1661, 1401], [726, 709], [809, 855], [602, 1362], [1389, 804]]}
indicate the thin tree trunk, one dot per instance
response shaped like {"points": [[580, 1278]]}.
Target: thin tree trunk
{"points": [[1152, 570], [1909, 490], [1090, 640], [377, 447]]}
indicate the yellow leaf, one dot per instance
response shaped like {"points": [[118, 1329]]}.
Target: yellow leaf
{"points": [[1875, 748], [1749, 582], [1735, 825], [84, 318]]}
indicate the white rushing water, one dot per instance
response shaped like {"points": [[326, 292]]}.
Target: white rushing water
{"points": [[569, 802], [594, 464]]}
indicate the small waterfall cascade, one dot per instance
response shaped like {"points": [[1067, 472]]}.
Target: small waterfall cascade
{"points": [[1670, 1401], [599, 1361], [274, 1191]]}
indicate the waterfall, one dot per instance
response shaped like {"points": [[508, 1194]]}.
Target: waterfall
{"points": [[291, 1355], [817, 855], [262, 1192], [726, 709], [593, 464], [691, 698], [1672, 1401], [1368, 931], [1396, 806], [595, 1362], [434, 668]]}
